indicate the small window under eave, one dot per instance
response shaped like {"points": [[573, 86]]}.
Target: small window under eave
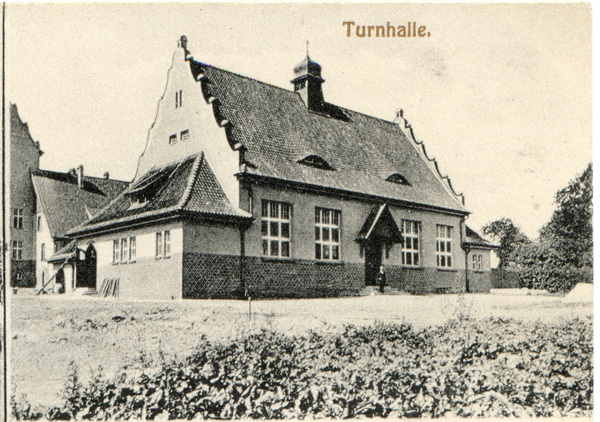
{"points": [[316, 161], [398, 178]]}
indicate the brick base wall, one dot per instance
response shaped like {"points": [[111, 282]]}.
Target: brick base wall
{"points": [[429, 280], [210, 276], [217, 276]]}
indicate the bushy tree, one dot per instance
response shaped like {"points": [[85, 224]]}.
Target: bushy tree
{"points": [[510, 237], [563, 255]]}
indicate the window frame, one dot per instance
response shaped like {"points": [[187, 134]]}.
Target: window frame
{"points": [[166, 244], [274, 232], [322, 245], [116, 251], [478, 263], [444, 259], [412, 252], [158, 246], [17, 250], [132, 249], [18, 214], [124, 250]]}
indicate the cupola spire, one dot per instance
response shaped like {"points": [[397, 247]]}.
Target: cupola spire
{"points": [[307, 82]]}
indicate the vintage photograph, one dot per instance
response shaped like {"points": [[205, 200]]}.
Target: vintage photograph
{"points": [[294, 210]]}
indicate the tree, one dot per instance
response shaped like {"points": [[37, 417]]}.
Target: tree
{"points": [[510, 237], [563, 255]]}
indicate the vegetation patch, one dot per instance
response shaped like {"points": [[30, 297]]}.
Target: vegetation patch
{"points": [[491, 367]]}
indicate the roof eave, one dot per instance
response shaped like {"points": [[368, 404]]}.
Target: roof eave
{"points": [[346, 193]]}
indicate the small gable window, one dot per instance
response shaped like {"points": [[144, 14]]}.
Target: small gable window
{"points": [[172, 139], [316, 161], [398, 178], [185, 135], [178, 98]]}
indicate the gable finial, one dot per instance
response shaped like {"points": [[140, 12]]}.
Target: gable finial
{"points": [[306, 48]]}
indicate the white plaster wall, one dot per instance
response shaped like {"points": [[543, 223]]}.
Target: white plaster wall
{"points": [[43, 237], [196, 116], [145, 242]]}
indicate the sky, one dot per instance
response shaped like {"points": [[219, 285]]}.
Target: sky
{"points": [[499, 93]]}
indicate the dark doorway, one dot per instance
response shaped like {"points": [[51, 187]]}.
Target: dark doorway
{"points": [[60, 281], [88, 275], [373, 252]]}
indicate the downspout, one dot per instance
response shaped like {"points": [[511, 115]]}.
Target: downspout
{"points": [[466, 248], [243, 286]]}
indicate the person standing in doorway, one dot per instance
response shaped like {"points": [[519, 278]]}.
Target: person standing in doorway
{"points": [[381, 279]]}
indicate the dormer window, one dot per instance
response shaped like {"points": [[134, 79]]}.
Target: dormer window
{"points": [[172, 139], [316, 161], [398, 178], [138, 201]]}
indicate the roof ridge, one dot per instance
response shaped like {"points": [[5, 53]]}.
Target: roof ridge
{"points": [[199, 160], [39, 172], [292, 92], [244, 77]]}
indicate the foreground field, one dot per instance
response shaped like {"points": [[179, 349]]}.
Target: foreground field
{"points": [[49, 333]]}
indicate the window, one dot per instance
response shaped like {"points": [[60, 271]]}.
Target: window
{"points": [[443, 246], [275, 228], [410, 249], [316, 161], [19, 276], [43, 252], [39, 222], [477, 263], [116, 251], [17, 250], [132, 249], [327, 234], [167, 251], [172, 139], [159, 244], [398, 178], [180, 98], [124, 251], [18, 218], [184, 135], [163, 244]]}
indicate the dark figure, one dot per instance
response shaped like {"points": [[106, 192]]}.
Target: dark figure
{"points": [[381, 279]]}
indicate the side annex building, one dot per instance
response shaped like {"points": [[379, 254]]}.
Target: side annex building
{"points": [[248, 189]]}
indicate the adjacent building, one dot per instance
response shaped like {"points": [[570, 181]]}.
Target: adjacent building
{"points": [[43, 206], [248, 189]]}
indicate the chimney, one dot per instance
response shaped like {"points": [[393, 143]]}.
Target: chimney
{"points": [[80, 176], [307, 82], [106, 175]]}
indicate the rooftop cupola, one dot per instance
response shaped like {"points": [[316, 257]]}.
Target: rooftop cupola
{"points": [[307, 82]]}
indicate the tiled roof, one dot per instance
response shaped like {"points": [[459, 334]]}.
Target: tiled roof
{"points": [[474, 239], [277, 131], [380, 223], [186, 187], [64, 203], [64, 253]]}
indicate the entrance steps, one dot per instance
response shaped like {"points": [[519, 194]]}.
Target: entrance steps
{"points": [[374, 291], [85, 291]]}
